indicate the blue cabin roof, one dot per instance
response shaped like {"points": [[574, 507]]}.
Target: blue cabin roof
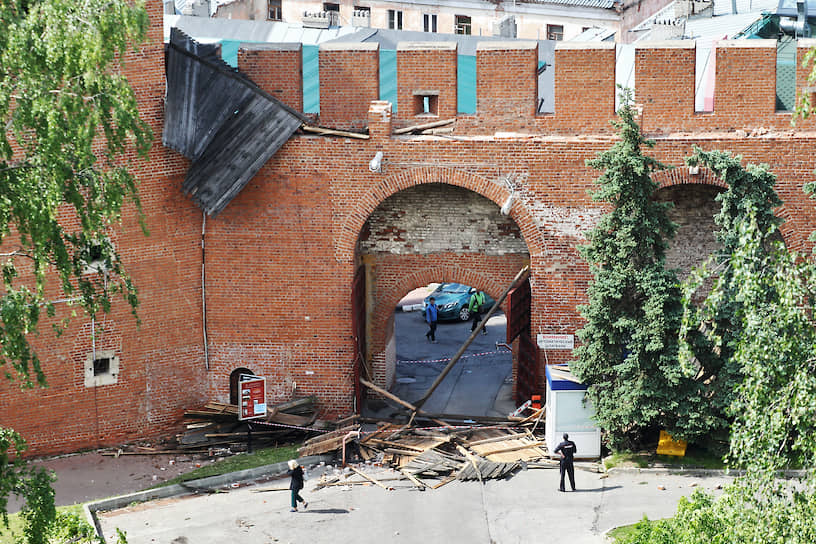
{"points": [[559, 378]]}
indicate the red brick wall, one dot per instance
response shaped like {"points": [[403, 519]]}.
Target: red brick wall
{"points": [[281, 257], [349, 81], [506, 84], [277, 69], [425, 67], [161, 361], [746, 83], [664, 76], [584, 87]]}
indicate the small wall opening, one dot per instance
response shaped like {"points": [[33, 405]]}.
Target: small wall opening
{"points": [[426, 103], [235, 377]]}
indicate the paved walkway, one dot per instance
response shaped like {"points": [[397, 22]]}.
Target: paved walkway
{"points": [[523, 509]]}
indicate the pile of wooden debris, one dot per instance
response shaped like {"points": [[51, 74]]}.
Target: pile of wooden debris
{"points": [[446, 453], [217, 424]]}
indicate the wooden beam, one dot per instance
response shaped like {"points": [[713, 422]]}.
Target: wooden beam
{"points": [[389, 395], [513, 448], [447, 480], [513, 436], [424, 126], [369, 478], [332, 132], [419, 483]]}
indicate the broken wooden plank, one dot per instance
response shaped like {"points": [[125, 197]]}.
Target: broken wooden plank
{"points": [[391, 444], [367, 477], [332, 132], [398, 400], [295, 403], [535, 415], [447, 480], [423, 126], [398, 451], [512, 448], [496, 439], [472, 459], [419, 483]]}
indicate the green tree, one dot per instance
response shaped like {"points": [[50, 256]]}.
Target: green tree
{"points": [[712, 327], [774, 408], [72, 126], [71, 118], [628, 352]]}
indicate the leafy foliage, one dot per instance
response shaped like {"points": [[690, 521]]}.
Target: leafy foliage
{"points": [[628, 354], [71, 127], [805, 107], [712, 328], [72, 124], [32, 484], [774, 408]]}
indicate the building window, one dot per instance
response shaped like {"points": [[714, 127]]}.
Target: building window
{"points": [[363, 10], [275, 12], [429, 22], [101, 368], [394, 19], [555, 32], [101, 365], [94, 255], [330, 6], [462, 24]]}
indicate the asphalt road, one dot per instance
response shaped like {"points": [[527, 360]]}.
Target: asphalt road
{"points": [[526, 508], [479, 384]]}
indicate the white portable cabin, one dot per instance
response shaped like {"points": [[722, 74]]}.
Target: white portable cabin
{"points": [[568, 412]]}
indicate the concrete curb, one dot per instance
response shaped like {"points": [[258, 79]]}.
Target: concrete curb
{"points": [[696, 471], [193, 486]]}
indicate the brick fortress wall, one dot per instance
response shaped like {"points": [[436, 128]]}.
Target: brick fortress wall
{"points": [[281, 257]]}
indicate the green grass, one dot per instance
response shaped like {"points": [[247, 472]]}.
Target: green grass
{"points": [[695, 458], [15, 528], [622, 531], [242, 461]]}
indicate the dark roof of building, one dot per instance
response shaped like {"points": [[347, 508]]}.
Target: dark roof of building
{"points": [[219, 119]]}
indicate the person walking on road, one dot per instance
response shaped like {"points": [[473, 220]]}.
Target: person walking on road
{"points": [[296, 484], [431, 317], [567, 450], [477, 298]]}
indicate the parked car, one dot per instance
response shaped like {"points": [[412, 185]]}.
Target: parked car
{"points": [[452, 299]]}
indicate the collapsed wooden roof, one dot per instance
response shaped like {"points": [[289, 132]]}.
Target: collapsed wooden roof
{"points": [[219, 119]]}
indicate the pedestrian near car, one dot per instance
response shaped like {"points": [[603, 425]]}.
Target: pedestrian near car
{"points": [[477, 299], [567, 451], [431, 317], [296, 484]]}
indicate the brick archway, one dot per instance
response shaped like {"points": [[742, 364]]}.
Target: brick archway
{"points": [[352, 224], [681, 176]]}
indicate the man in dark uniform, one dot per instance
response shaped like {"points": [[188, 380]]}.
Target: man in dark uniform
{"points": [[567, 451]]}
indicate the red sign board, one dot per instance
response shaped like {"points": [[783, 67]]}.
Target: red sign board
{"points": [[252, 391]]}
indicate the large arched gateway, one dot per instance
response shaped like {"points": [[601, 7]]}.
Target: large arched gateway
{"points": [[426, 233]]}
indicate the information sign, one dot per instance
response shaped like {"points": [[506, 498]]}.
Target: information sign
{"points": [[253, 397], [556, 341]]}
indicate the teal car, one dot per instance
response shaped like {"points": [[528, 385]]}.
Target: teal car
{"points": [[452, 300]]}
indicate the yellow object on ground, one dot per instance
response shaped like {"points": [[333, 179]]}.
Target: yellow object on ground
{"points": [[669, 446]]}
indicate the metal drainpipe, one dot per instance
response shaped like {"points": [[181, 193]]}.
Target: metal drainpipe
{"points": [[204, 292]]}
